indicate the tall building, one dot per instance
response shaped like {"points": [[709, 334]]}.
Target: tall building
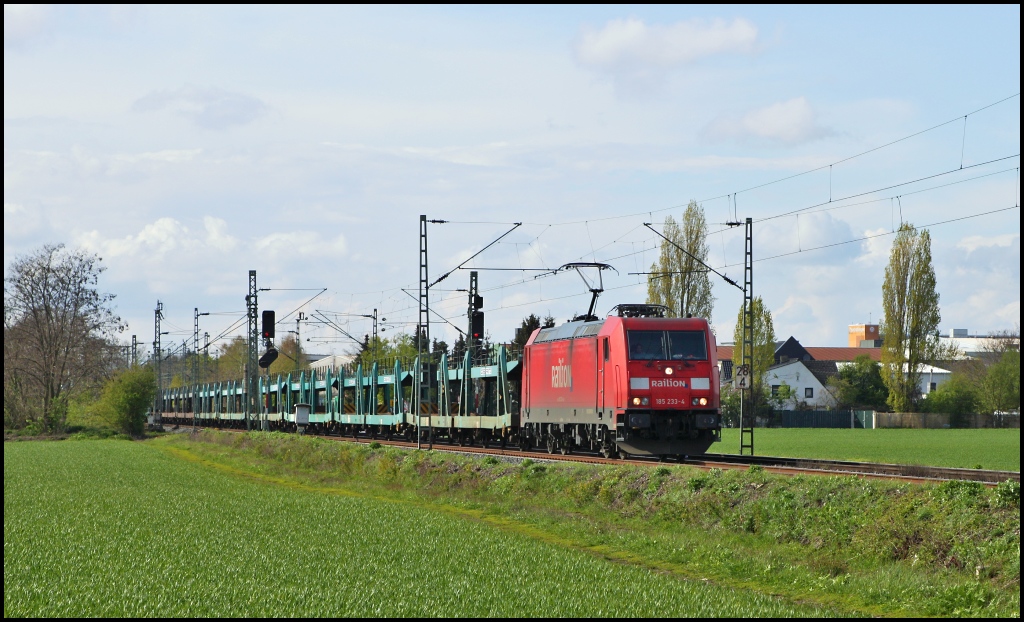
{"points": [[864, 336]]}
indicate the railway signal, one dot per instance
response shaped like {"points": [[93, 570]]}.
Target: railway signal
{"points": [[268, 324]]}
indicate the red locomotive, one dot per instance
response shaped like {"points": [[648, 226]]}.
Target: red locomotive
{"points": [[636, 382]]}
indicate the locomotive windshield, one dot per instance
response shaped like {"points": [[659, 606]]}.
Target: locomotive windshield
{"points": [[687, 345], [676, 345]]}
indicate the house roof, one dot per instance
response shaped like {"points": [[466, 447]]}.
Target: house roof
{"points": [[819, 354], [821, 370], [844, 354]]}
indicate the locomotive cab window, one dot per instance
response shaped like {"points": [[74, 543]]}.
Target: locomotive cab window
{"points": [[646, 345], [687, 345]]}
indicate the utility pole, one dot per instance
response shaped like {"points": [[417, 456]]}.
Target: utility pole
{"points": [[423, 336], [158, 402], [375, 328], [251, 373], [748, 415], [474, 290], [135, 350], [298, 337], [196, 380]]}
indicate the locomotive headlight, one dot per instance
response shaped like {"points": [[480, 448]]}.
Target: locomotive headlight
{"points": [[703, 401], [668, 371], [636, 401], [641, 401], [644, 401]]}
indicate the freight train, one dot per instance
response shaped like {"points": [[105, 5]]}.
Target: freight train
{"points": [[633, 383]]}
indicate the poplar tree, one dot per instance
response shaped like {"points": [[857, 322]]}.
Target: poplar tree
{"points": [[679, 281], [910, 304], [763, 352]]}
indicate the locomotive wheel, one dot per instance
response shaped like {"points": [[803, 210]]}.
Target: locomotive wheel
{"points": [[551, 444], [566, 449], [606, 451]]}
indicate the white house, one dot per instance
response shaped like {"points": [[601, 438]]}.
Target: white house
{"points": [[931, 376], [807, 380]]}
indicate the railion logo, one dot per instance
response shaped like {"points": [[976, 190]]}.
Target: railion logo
{"points": [[669, 384], [561, 375]]}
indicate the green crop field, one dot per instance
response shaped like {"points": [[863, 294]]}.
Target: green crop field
{"points": [[992, 449], [116, 528]]}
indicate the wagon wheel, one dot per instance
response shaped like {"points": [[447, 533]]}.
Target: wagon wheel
{"points": [[566, 448]]}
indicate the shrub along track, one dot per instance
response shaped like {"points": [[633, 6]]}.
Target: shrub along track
{"points": [[778, 465]]}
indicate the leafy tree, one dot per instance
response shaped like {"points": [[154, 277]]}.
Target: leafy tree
{"points": [[292, 357], [1002, 383], [440, 347], [459, 349], [956, 397], [531, 323], [763, 352], [911, 306], [58, 334], [859, 385], [784, 396], [386, 350], [229, 364], [126, 398], [679, 281]]}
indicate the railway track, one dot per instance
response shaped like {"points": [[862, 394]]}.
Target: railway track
{"points": [[771, 464]]}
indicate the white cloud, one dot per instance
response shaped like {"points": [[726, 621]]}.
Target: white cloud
{"points": [[875, 250], [301, 244], [163, 238], [19, 221], [207, 107], [625, 43], [23, 23], [974, 242], [789, 123]]}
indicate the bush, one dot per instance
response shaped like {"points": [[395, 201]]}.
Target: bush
{"points": [[126, 398], [957, 397], [1008, 494]]}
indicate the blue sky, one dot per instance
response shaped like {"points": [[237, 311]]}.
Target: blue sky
{"points": [[189, 145]]}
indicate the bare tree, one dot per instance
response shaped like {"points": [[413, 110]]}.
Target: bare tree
{"points": [[911, 305], [58, 333], [679, 281]]}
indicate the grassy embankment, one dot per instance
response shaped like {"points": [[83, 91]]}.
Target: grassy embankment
{"points": [[116, 528], [991, 449], [854, 546], [866, 546]]}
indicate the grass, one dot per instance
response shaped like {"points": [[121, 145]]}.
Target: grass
{"points": [[118, 528], [859, 546], [990, 449]]}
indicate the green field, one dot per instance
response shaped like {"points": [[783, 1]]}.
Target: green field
{"points": [[116, 528], [992, 449]]}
